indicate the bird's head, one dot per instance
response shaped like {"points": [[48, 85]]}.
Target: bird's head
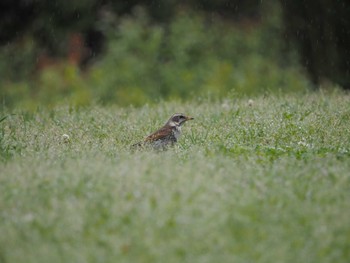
{"points": [[178, 119]]}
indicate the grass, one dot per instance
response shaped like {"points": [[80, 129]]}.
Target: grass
{"points": [[265, 180]]}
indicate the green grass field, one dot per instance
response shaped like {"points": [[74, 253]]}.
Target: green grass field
{"points": [[266, 180]]}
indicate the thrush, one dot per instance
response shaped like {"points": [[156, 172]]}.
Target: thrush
{"points": [[166, 136]]}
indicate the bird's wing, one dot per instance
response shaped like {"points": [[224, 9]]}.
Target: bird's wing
{"points": [[159, 134]]}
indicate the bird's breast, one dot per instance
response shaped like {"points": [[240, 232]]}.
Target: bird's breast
{"points": [[177, 132]]}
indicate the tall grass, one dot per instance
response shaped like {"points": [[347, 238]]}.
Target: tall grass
{"points": [[260, 180]]}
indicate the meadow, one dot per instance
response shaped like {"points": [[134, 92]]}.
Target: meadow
{"points": [[264, 179]]}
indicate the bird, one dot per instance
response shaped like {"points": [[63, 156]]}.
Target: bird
{"points": [[166, 136]]}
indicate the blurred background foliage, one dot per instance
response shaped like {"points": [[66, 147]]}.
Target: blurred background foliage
{"points": [[136, 52]]}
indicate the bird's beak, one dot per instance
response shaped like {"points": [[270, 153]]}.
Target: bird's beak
{"points": [[189, 118]]}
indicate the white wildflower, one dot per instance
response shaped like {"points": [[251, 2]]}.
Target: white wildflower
{"points": [[65, 138]]}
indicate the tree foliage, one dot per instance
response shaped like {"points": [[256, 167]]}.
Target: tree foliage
{"points": [[133, 51]]}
